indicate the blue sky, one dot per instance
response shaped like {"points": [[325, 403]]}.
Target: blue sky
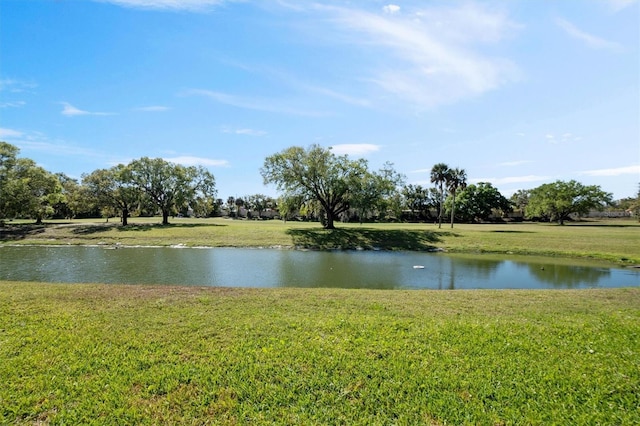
{"points": [[518, 93]]}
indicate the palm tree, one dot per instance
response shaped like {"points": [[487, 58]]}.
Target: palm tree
{"points": [[439, 176], [456, 180]]}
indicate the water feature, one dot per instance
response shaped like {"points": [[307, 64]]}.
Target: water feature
{"points": [[290, 268]]}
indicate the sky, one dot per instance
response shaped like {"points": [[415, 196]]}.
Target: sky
{"points": [[518, 93]]}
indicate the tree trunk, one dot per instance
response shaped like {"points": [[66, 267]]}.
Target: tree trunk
{"points": [[125, 214], [441, 206], [328, 224], [165, 217], [453, 207]]}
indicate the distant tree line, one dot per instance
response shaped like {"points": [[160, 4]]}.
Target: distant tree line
{"points": [[314, 182], [145, 187]]}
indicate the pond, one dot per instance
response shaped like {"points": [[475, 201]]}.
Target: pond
{"points": [[290, 268]]}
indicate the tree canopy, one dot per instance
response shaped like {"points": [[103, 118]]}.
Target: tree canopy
{"points": [[258, 202], [479, 201], [172, 187], [314, 182], [420, 200], [316, 174], [112, 189], [29, 191], [558, 200]]}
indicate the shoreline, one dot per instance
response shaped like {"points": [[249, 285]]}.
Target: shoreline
{"points": [[609, 241]]}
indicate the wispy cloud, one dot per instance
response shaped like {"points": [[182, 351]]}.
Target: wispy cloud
{"points": [[37, 141], [590, 40], [618, 5], [337, 95], [259, 104], [619, 171], [169, 5], [71, 111], [187, 160], [152, 108], [16, 86], [58, 148], [421, 171], [431, 55], [9, 133], [355, 149], [12, 104], [511, 179], [244, 131], [514, 163], [563, 138], [391, 8], [298, 84]]}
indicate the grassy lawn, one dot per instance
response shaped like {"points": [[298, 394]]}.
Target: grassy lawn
{"points": [[110, 354], [83, 354], [610, 240]]}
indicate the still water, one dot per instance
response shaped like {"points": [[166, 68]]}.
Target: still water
{"points": [[290, 268]]}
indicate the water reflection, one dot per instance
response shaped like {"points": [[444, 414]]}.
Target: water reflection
{"points": [[564, 276], [280, 268]]}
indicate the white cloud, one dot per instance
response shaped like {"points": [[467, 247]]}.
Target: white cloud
{"points": [[170, 5], [391, 8], [9, 133], [591, 41], [71, 111], [153, 108], [356, 149], [187, 160], [427, 62], [629, 170]]}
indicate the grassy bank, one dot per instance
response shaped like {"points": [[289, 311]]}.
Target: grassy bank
{"points": [[81, 354], [608, 240]]}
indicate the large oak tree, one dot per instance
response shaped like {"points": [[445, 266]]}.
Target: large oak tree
{"points": [[318, 175], [558, 200], [30, 191], [112, 188], [478, 201], [172, 187]]}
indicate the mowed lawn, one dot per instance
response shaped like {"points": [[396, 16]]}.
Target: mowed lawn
{"points": [[110, 354], [107, 354], [615, 241]]}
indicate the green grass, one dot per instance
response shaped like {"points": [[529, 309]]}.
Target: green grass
{"points": [[100, 354], [608, 240]]}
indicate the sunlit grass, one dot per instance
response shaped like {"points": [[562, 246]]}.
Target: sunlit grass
{"points": [[78, 354], [613, 241]]}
